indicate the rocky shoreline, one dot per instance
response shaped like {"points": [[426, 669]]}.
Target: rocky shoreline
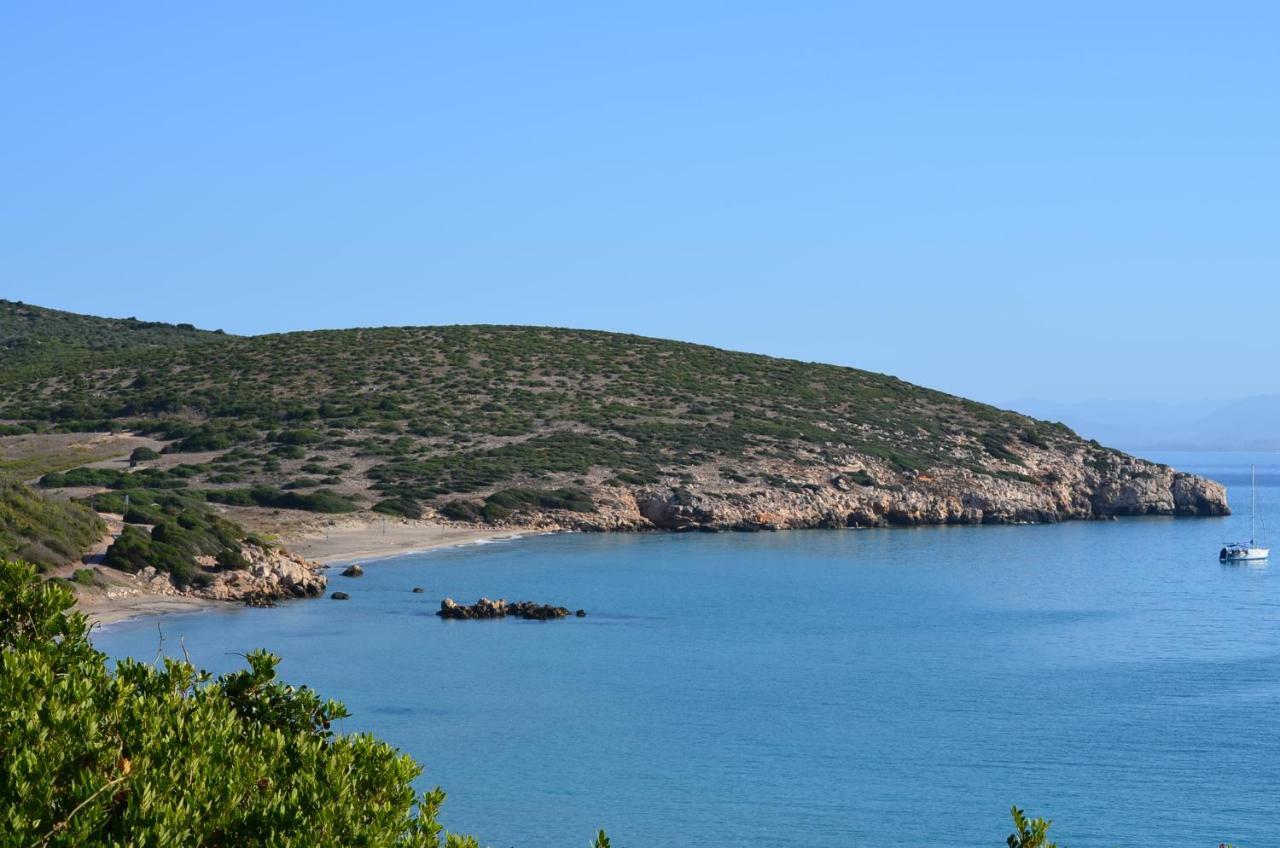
{"points": [[1049, 488], [271, 575], [861, 494]]}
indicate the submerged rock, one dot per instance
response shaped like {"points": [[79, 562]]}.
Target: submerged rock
{"points": [[418, 590], [485, 608], [340, 596]]}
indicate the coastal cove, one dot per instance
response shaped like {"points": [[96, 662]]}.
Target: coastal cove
{"points": [[817, 688]]}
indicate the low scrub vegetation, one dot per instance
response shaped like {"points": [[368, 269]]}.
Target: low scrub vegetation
{"points": [[321, 500], [169, 532], [42, 530], [508, 502], [402, 507]]}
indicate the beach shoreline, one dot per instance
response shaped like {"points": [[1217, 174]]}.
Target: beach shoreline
{"points": [[369, 541], [121, 597]]}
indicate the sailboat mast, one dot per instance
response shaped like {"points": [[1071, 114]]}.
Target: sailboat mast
{"points": [[1253, 502]]}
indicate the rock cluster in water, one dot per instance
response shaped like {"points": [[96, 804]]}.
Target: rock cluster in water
{"points": [[353, 570], [485, 608]]}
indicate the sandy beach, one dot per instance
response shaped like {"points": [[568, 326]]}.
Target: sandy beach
{"points": [[368, 540], [120, 596]]}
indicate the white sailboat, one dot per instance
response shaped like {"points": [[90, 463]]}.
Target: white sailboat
{"points": [[1240, 551]]}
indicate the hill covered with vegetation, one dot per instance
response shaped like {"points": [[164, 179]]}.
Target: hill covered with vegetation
{"points": [[547, 427], [35, 335]]}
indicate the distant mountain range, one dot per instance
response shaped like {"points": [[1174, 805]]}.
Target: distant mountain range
{"points": [[1251, 423]]}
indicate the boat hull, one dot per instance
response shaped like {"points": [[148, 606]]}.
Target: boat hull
{"points": [[1246, 554]]}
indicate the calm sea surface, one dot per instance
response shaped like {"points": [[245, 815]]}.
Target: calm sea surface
{"points": [[817, 688]]}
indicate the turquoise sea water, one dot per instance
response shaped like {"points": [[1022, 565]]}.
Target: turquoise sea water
{"points": [[818, 688]]}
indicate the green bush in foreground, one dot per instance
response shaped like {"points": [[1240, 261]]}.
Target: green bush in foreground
{"points": [[147, 755], [1029, 833]]}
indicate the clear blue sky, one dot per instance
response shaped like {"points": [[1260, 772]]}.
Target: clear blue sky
{"points": [[1059, 200]]}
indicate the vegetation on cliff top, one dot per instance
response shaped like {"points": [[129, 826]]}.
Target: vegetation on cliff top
{"points": [[406, 417]]}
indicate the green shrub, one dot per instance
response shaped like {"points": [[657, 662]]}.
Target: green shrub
{"points": [[404, 507], [85, 576], [144, 754], [298, 437], [513, 500], [321, 500], [142, 514], [212, 437], [493, 512], [129, 552], [81, 477], [182, 529], [142, 454], [1029, 833], [232, 559], [232, 497], [461, 510]]}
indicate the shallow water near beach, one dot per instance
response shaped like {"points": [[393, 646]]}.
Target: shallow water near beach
{"points": [[819, 688]]}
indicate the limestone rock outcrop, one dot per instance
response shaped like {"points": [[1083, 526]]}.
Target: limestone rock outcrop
{"points": [[272, 574], [1044, 486]]}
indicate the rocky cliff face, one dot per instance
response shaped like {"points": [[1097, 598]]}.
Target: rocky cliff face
{"points": [[1048, 486]]}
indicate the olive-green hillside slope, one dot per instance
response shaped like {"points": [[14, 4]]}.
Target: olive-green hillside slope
{"points": [[542, 418], [42, 530]]}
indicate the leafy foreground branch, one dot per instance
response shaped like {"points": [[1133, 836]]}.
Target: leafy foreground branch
{"points": [[148, 755], [1029, 833], [169, 756]]}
